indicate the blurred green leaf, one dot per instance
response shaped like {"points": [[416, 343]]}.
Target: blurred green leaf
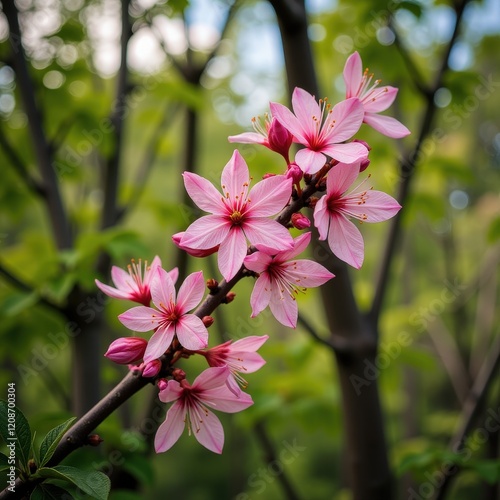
{"points": [[414, 7], [50, 492], [21, 433], [4, 462], [489, 470], [17, 302], [494, 231], [51, 440]]}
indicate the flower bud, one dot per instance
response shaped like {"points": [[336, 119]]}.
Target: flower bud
{"points": [[364, 164], [178, 374], [229, 297], [126, 350], [94, 439], [152, 368], [300, 221], [311, 202], [162, 384], [194, 252], [212, 285], [280, 139], [294, 172], [207, 321]]}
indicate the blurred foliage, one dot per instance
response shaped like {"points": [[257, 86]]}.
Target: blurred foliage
{"points": [[444, 279]]}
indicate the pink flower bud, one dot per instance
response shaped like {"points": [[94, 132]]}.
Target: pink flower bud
{"points": [[294, 172], [152, 368], [176, 238], [126, 350], [300, 221], [178, 374], [280, 139], [162, 384], [364, 164], [365, 144], [207, 321]]}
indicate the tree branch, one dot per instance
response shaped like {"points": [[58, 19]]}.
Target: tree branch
{"points": [[57, 213]]}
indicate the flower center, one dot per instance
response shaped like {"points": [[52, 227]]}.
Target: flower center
{"points": [[236, 217]]}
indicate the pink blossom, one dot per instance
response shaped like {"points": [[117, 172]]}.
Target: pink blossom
{"points": [[272, 135], [333, 211], [126, 350], [191, 407], [151, 368], [322, 135], [281, 277], [237, 214], [300, 221], [135, 284], [374, 99], [177, 237], [171, 317], [239, 356]]}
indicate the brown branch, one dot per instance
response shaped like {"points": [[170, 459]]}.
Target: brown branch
{"points": [[57, 213], [407, 169]]}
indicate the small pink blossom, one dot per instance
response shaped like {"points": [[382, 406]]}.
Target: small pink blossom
{"points": [[272, 135], [333, 211], [237, 214], [135, 284], [281, 277], [239, 356], [322, 135], [191, 407], [374, 99], [151, 368], [300, 221], [126, 350], [171, 317]]}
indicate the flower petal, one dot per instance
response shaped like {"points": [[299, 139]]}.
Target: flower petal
{"points": [[386, 125], [284, 309], [261, 294], [322, 217], [306, 109], [235, 177], [347, 117], [351, 152], [191, 332], [162, 289], [384, 97], [122, 280], [191, 292], [211, 378], [206, 232], [269, 196], [140, 318], [232, 251], [257, 262], [113, 292], [378, 207], [299, 245], [174, 275], [346, 241], [248, 138], [207, 429], [353, 74], [268, 233], [172, 392], [171, 429], [203, 193], [340, 179], [289, 121], [250, 343], [307, 273], [223, 399], [159, 342], [251, 361], [310, 161]]}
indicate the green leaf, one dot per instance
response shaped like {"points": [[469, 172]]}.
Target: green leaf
{"points": [[22, 433], [51, 440], [414, 7], [49, 492], [489, 470], [17, 302], [94, 483], [4, 462], [494, 231]]}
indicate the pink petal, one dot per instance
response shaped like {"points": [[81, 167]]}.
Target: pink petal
{"points": [[250, 343], [174, 275], [378, 207], [211, 378], [207, 429], [310, 161], [162, 289], [289, 121], [251, 361], [269, 196], [248, 138], [159, 342], [171, 429], [261, 294], [351, 152], [347, 117], [141, 318], [346, 241], [172, 392], [322, 217], [340, 179], [284, 309], [206, 232], [307, 273], [191, 292], [203, 193], [235, 176], [268, 233], [384, 98], [223, 399], [353, 74], [386, 125], [257, 262], [191, 332], [122, 280], [113, 292], [299, 245], [306, 110], [232, 251]]}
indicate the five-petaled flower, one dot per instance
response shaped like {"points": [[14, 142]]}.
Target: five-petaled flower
{"points": [[333, 211], [191, 407], [171, 317], [237, 214], [281, 277], [322, 135], [374, 98], [239, 356], [134, 285]]}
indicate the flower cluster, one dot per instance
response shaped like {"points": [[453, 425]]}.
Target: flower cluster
{"points": [[248, 226]]}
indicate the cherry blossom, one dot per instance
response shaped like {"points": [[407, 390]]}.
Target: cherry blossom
{"points": [[374, 98], [191, 407], [126, 350], [171, 317], [333, 211]]}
